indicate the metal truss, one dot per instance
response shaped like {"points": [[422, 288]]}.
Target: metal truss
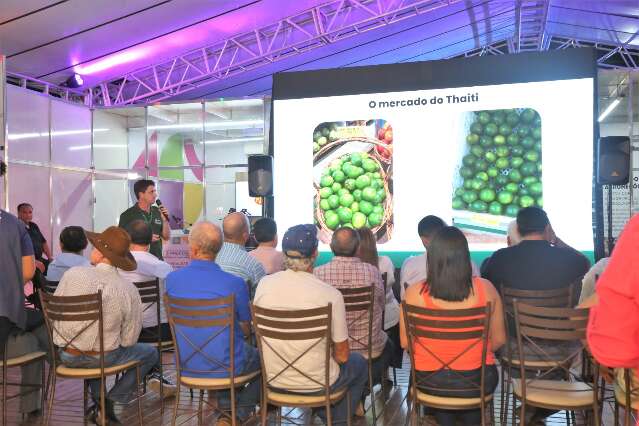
{"points": [[47, 88], [616, 56], [530, 26], [293, 35]]}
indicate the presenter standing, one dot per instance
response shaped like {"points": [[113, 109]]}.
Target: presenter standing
{"points": [[156, 217]]}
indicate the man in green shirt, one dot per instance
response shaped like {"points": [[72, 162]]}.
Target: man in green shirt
{"points": [[153, 216]]}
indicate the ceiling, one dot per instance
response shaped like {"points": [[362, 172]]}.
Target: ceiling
{"points": [[104, 39]]}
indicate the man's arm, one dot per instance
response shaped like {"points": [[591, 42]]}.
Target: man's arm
{"points": [[28, 258], [341, 351], [47, 251], [131, 316], [166, 228], [28, 268]]}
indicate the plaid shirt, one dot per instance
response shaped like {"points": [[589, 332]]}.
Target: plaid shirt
{"points": [[348, 272]]}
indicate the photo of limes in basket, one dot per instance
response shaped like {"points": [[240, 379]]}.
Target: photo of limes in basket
{"points": [[500, 171]]}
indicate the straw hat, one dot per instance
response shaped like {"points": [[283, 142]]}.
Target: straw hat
{"points": [[114, 244]]}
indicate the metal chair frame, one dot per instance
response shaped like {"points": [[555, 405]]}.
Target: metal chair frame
{"points": [[629, 392]]}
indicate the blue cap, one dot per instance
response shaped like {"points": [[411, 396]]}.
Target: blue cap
{"points": [[300, 238]]}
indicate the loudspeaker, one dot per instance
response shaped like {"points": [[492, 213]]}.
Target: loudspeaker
{"points": [[613, 160], [260, 178]]}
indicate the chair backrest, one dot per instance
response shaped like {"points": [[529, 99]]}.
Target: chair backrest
{"points": [[309, 328], [541, 330], [50, 286], [150, 296], [218, 315], [85, 309], [470, 325], [358, 302], [385, 282]]}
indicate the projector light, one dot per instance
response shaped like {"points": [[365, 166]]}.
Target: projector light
{"points": [[74, 81]]}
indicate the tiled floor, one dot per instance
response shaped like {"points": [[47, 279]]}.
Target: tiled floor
{"points": [[67, 409]]}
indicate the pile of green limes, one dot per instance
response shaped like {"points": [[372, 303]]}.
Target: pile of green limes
{"points": [[323, 134], [352, 192], [501, 172]]}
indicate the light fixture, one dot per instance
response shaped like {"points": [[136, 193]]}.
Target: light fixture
{"points": [[609, 108], [74, 81]]}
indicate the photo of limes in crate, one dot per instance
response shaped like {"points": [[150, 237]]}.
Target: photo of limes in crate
{"points": [[501, 169], [352, 192]]}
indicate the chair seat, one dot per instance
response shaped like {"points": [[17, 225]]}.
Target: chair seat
{"points": [[541, 364], [162, 344], [556, 393], [301, 399], [92, 373], [450, 402], [206, 382], [24, 359]]}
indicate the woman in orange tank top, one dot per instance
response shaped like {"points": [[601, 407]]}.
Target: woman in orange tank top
{"points": [[450, 285]]}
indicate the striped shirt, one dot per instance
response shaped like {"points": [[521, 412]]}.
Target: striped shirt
{"points": [[233, 259], [348, 272], [121, 309]]}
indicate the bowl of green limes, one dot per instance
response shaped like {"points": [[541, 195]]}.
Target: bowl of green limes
{"points": [[352, 189]]}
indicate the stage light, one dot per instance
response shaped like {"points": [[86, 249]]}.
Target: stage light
{"points": [[609, 109], [74, 81]]}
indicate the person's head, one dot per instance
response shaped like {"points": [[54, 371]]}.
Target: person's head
{"points": [[141, 235], [265, 231], [299, 246], [73, 240], [427, 227], [112, 248], [533, 223], [205, 241], [512, 237], [345, 242], [367, 250], [25, 212], [145, 192], [449, 274], [236, 228]]}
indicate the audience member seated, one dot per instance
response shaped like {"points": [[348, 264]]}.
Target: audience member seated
{"points": [[414, 269], [233, 257], [590, 279], [346, 270], [614, 318], [265, 232], [73, 241], [204, 279], [122, 313], [149, 268], [450, 285], [302, 290], [40, 244], [512, 238], [367, 252], [18, 333]]}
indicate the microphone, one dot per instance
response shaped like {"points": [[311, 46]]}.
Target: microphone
{"points": [[159, 203]]}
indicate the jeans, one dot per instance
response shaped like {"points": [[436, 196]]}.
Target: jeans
{"points": [[121, 392], [381, 363], [459, 384], [149, 334], [247, 397]]}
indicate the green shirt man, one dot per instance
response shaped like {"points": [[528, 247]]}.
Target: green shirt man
{"points": [[151, 215]]}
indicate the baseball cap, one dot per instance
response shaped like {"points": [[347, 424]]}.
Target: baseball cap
{"points": [[301, 239]]}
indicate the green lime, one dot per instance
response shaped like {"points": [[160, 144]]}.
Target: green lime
{"points": [[502, 151], [336, 187], [485, 141], [538, 167], [357, 194], [492, 171], [378, 209], [369, 194], [365, 207], [522, 131], [535, 188], [512, 118], [515, 175], [482, 176], [528, 142], [469, 197], [369, 165], [505, 197], [502, 163], [346, 200], [529, 180], [354, 172], [487, 195], [362, 182], [316, 147], [472, 138], [511, 210], [516, 162], [531, 156], [324, 205], [516, 151], [326, 181], [469, 160], [540, 202], [359, 220], [491, 129], [333, 201], [511, 187], [477, 184], [356, 158], [481, 164], [499, 140], [499, 117], [505, 129], [526, 201], [332, 136], [476, 128], [377, 175], [479, 206], [332, 219], [345, 214], [512, 139], [339, 176], [325, 192], [381, 194], [483, 117], [377, 183], [495, 208], [523, 191], [528, 115], [317, 135], [349, 184], [537, 146], [536, 133], [459, 192], [325, 131], [375, 219], [477, 151], [354, 207], [501, 180], [458, 204], [322, 141], [528, 168], [490, 156], [468, 183], [346, 167], [342, 192]]}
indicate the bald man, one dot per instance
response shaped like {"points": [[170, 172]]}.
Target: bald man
{"points": [[233, 258], [204, 279]]}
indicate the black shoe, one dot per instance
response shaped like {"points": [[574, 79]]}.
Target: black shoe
{"points": [[110, 413]]}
